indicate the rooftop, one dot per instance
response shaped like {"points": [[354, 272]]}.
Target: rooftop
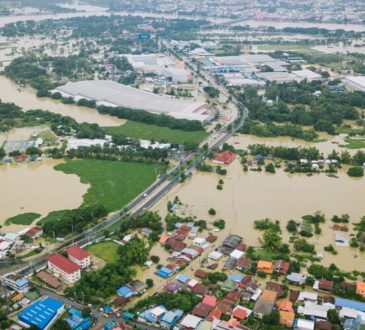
{"points": [[77, 252], [63, 263], [110, 93]]}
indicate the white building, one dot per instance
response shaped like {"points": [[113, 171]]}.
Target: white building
{"points": [[4, 248], [79, 256], [64, 268], [16, 282], [355, 83]]}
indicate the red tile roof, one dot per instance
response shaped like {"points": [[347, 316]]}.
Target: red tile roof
{"points": [[225, 157], [325, 285], [77, 252], [200, 273], [33, 231], [239, 313], [63, 263]]}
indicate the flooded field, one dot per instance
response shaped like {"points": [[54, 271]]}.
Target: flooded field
{"points": [[21, 134], [242, 141], [249, 196], [27, 99], [37, 187]]}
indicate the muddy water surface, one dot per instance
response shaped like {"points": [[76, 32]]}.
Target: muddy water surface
{"points": [[249, 196], [37, 187]]}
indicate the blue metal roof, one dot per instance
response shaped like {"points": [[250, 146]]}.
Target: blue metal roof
{"points": [[350, 303], [125, 292], [182, 278], [237, 277], [164, 272], [41, 313], [170, 318]]}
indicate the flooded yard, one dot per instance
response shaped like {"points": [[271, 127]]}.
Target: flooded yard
{"points": [[249, 196], [329, 143], [37, 187]]}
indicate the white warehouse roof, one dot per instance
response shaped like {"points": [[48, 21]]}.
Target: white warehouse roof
{"points": [[110, 93]]}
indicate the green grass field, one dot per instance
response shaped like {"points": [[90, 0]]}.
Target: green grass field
{"points": [[152, 132], [113, 183], [22, 219], [107, 251], [288, 47], [52, 216], [354, 144]]}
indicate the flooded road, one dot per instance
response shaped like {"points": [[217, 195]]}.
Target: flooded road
{"points": [[242, 141], [37, 187], [249, 196], [28, 100]]}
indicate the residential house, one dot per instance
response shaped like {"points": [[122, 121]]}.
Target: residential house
{"points": [[202, 310], [296, 278], [274, 286], [199, 273], [265, 266], [307, 296], [360, 289], [16, 282], [34, 232], [287, 318], [324, 285], [323, 325], [243, 264], [281, 267], [265, 304], [301, 324], [225, 158]]}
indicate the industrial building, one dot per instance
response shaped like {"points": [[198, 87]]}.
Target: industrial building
{"points": [[355, 83], [43, 313], [111, 94], [162, 65]]}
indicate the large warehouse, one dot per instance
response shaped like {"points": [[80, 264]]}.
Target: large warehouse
{"points": [[355, 83], [112, 94], [42, 313]]}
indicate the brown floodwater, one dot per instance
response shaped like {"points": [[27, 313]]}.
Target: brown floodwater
{"points": [[248, 196], [27, 99], [37, 187], [329, 143], [22, 134]]}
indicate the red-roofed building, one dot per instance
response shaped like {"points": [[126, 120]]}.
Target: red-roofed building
{"points": [[21, 158], [215, 314], [225, 158], [79, 256], [239, 313], [281, 267], [65, 268], [34, 232], [210, 300]]}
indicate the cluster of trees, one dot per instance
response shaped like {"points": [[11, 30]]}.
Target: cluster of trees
{"points": [[269, 129], [184, 300], [130, 154], [12, 116], [284, 152], [35, 71], [75, 221], [211, 91], [147, 219], [323, 113], [172, 219], [152, 119], [94, 287]]}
